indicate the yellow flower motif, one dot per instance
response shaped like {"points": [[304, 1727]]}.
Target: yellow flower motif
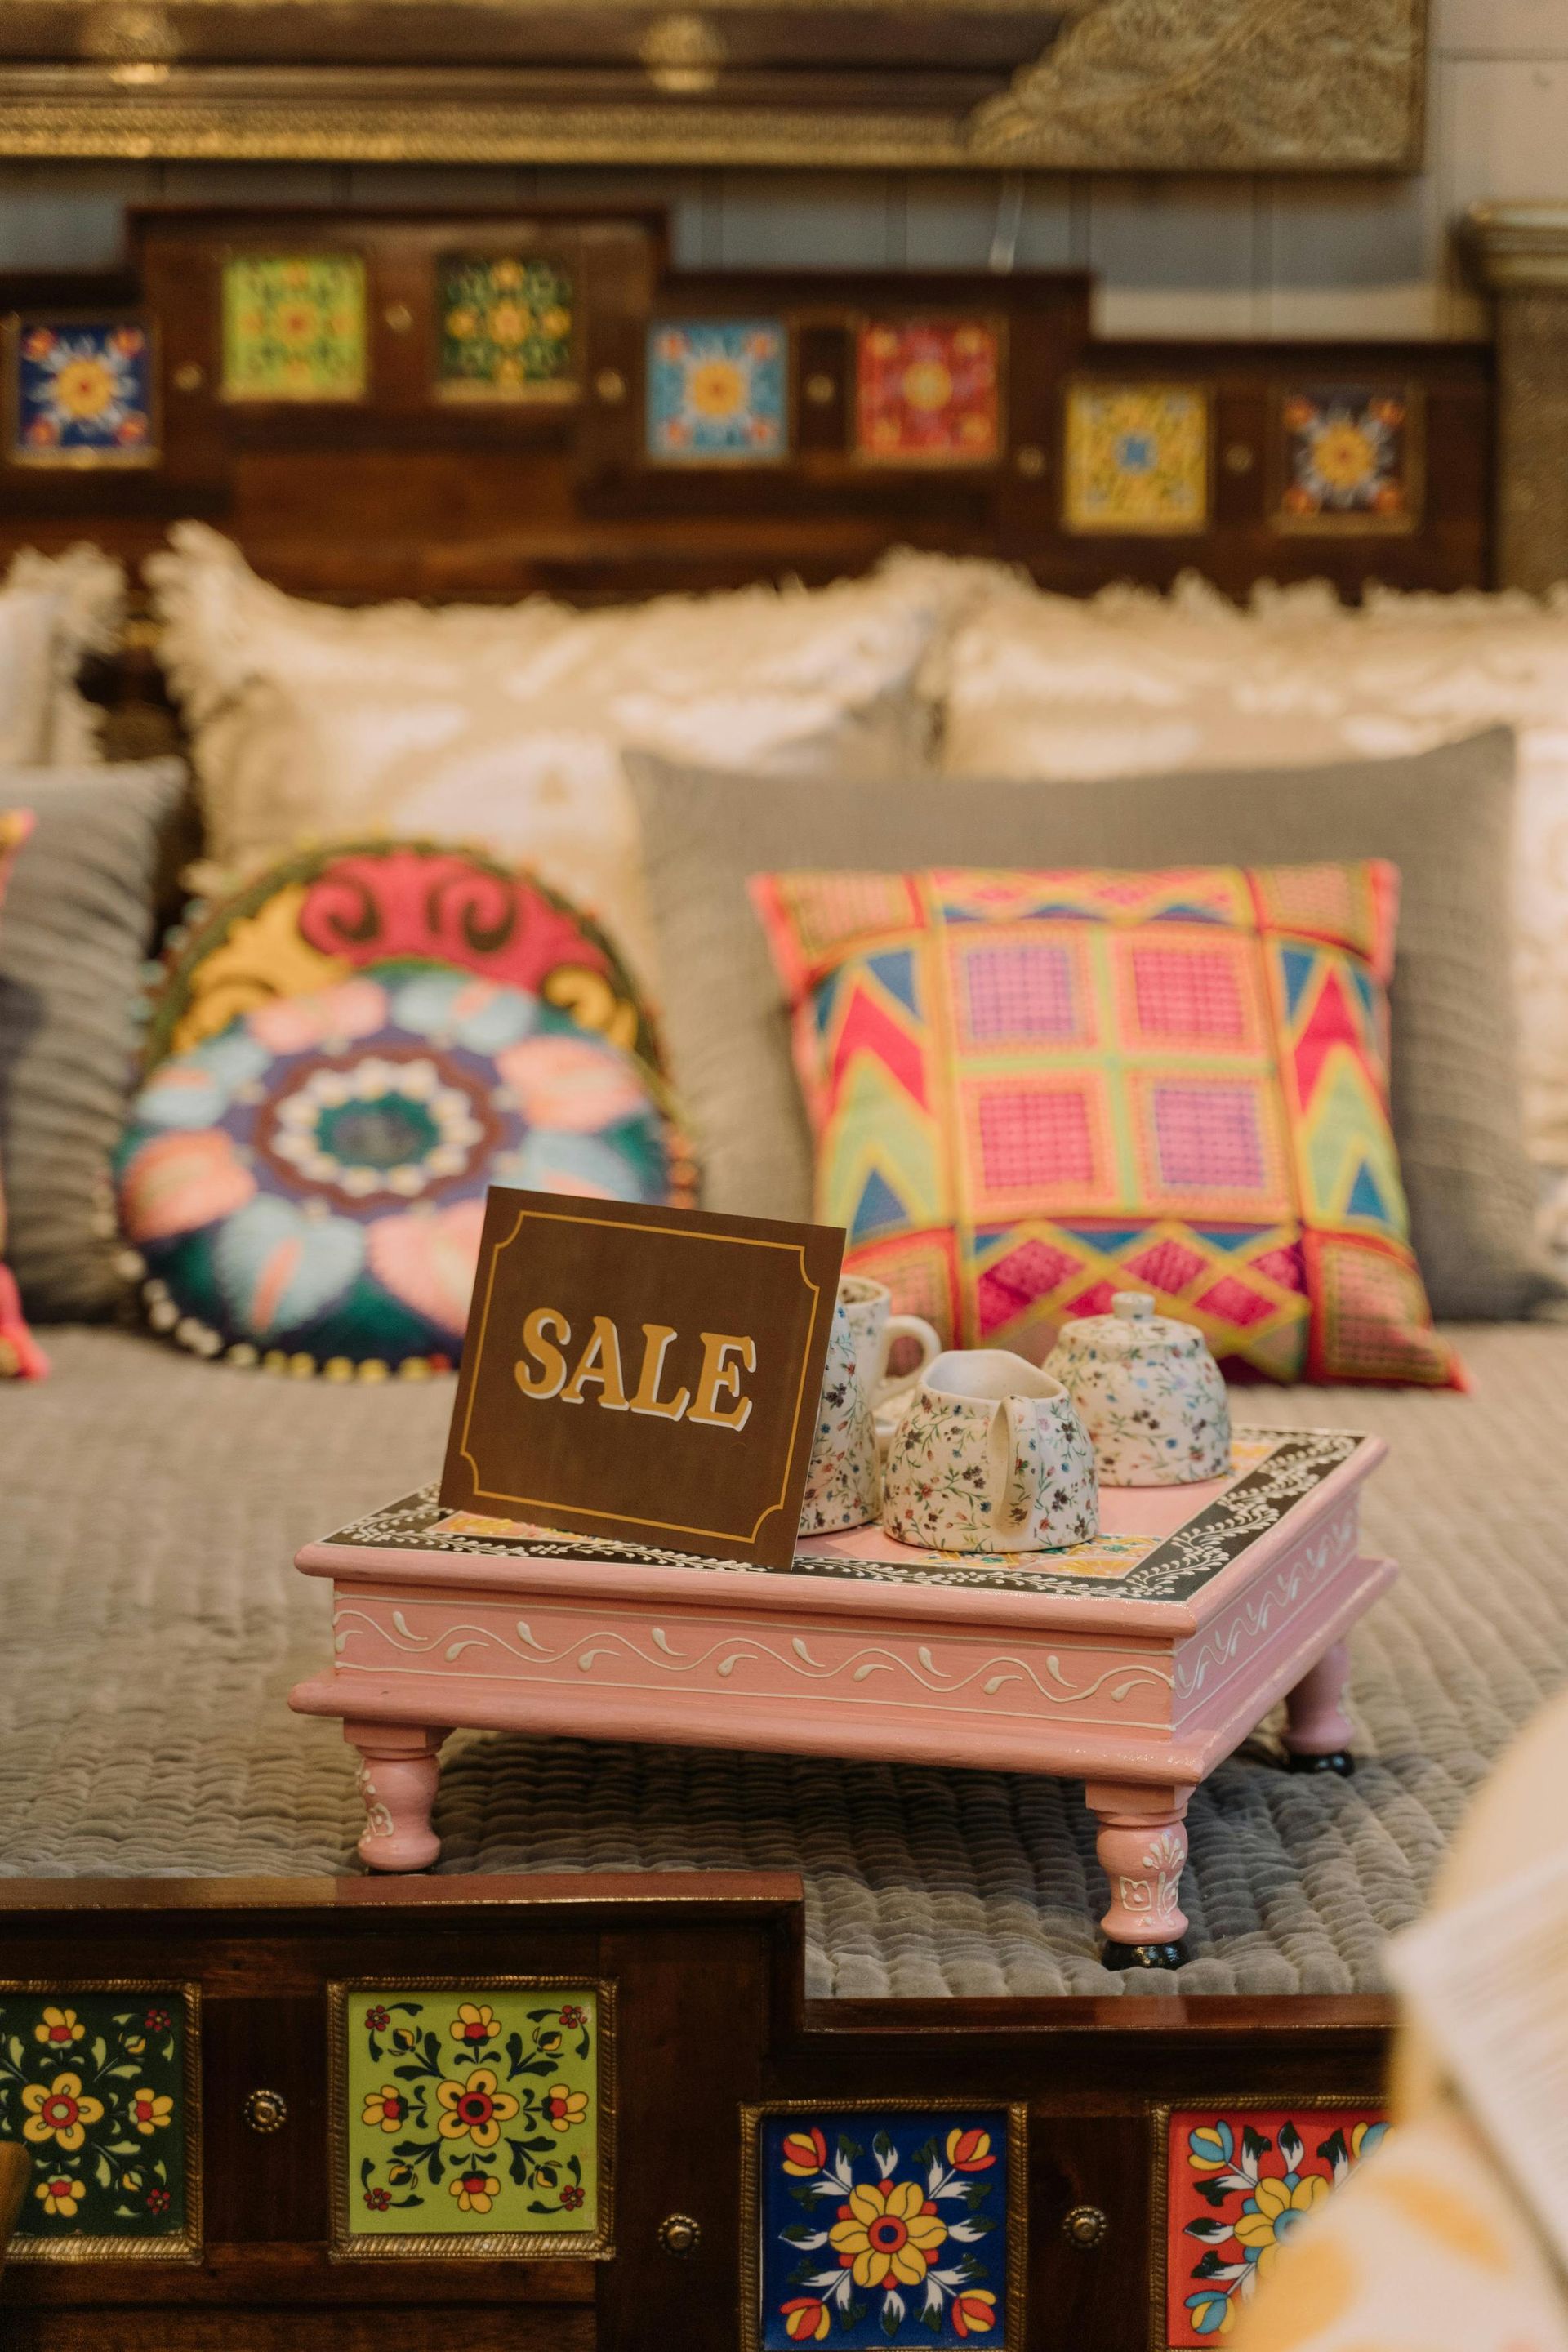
{"points": [[462, 322], [61, 2195], [892, 2231], [59, 2026], [150, 2110], [563, 2109], [59, 2113], [84, 388], [556, 324], [475, 2192], [1277, 2211], [508, 323], [506, 274], [1343, 455], [475, 2021], [716, 388], [386, 2108], [476, 2109]]}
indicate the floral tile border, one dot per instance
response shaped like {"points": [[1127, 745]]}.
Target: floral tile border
{"points": [[848, 2154], [1232, 2178], [124, 2055], [536, 2052]]}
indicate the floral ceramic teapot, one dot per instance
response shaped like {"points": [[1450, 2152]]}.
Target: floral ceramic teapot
{"points": [[1149, 1393]]}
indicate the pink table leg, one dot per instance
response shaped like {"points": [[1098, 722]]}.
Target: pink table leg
{"points": [[1143, 1848], [400, 1766], [1318, 1731]]}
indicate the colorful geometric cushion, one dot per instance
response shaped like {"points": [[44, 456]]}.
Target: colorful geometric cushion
{"points": [[1031, 1089], [323, 914], [21, 1358], [306, 1188]]}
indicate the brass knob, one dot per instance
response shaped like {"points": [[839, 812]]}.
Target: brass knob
{"points": [[1086, 2226], [819, 391], [1030, 461], [679, 2235], [398, 317], [1238, 458], [611, 386], [266, 2111], [189, 378]]}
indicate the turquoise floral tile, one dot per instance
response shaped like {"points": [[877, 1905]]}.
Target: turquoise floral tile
{"points": [[99, 2084], [718, 391], [885, 2225], [474, 2119]]}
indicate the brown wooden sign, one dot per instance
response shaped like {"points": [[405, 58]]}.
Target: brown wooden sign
{"points": [[646, 1373]]}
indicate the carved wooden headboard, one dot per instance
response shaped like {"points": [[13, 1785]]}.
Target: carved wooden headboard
{"points": [[450, 404]]}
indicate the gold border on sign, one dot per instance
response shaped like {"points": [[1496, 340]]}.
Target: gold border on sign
{"points": [[180, 2246], [1349, 526], [1160, 2184], [938, 315], [82, 461], [752, 2119], [346, 2245], [629, 1518], [1208, 392]]}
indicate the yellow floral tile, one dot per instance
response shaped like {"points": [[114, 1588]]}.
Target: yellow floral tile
{"points": [[473, 2119], [1137, 458]]}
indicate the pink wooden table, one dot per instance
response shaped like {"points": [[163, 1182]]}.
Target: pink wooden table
{"points": [[1136, 1664]]}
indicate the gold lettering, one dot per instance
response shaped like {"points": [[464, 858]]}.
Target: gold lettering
{"points": [[657, 1337], [600, 1363], [719, 1377], [547, 1381]]}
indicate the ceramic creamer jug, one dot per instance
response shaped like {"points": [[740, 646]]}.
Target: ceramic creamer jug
{"points": [[990, 1458], [1149, 1393]]}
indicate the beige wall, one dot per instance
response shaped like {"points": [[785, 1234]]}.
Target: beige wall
{"points": [[1192, 257]]}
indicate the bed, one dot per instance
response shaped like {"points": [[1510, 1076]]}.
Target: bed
{"points": [[888, 1943]]}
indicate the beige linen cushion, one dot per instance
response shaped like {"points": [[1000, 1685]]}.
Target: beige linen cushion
{"points": [[506, 726], [53, 610], [1043, 686], [1444, 817]]}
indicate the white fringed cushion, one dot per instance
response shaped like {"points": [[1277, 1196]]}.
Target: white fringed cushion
{"points": [[505, 727], [1043, 686], [53, 610]]}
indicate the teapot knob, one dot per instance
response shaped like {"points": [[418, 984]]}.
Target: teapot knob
{"points": [[1133, 1306]]}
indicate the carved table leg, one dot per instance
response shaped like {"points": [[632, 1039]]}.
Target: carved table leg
{"points": [[400, 1766], [1143, 1847], [1318, 1731]]}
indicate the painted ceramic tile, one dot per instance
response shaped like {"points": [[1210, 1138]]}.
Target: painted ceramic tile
{"points": [[94, 2086], [83, 392], [472, 2113], [885, 2227], [928, 391], [1350, 459], [294, 327], [1237, 2182], [1137, 457], [505, 328], [718, 391]]}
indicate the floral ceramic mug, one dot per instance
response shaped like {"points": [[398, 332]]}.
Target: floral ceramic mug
{"points": [[868, 1305], [991, 1456], [844, 1484]]}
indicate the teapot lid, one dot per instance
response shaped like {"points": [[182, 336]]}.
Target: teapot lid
{"points": [[1132, 1328]]}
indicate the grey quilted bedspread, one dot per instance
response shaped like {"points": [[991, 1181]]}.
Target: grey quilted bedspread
{"points": [[153, 1623]]}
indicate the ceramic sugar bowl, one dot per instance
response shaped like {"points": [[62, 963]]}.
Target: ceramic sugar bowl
{"points": [[1149, 1393]]}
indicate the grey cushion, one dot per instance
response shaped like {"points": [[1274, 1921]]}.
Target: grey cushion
{"points": [[1445, 818], [75, 924]]}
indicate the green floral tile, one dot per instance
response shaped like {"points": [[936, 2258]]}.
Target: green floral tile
{"points": [[294, 327], [473, 2118], [505, 329], [96, 2085]]}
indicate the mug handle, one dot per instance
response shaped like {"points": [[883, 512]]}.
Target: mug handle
{"points": [[1021, 1417], [906, 1327]]}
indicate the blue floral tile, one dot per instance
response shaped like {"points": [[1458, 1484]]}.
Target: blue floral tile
{"points": [[83, 392], [718, 392], [1352, 458], [886, 2226]]}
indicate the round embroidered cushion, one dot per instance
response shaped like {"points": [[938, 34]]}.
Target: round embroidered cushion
{"points": [[306, 1188], [318, 916]]}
